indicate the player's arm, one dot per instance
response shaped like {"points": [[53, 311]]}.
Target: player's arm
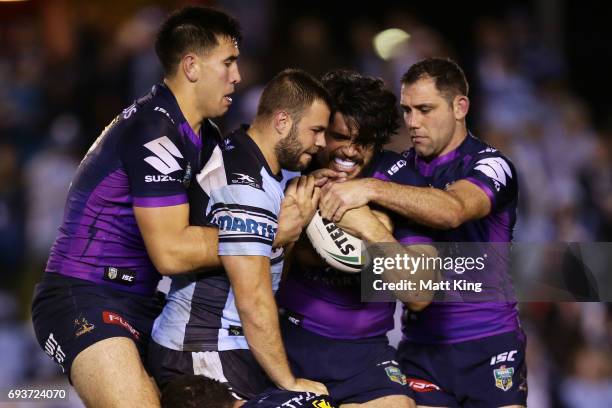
{"points": [[252, 285], [442, 209], [172, 244], [375, 227]]}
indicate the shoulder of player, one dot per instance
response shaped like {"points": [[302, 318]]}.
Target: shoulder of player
{"points": [[147, 122], [483, 154], [396, 167], [241, 160]]}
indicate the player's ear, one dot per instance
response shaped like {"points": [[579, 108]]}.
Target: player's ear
{"points": [[189, 66], [461, 105], [282, 122]]}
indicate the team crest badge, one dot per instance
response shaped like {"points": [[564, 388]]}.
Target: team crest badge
{"points": [[82, 326], [503, 377], [396, 375]]}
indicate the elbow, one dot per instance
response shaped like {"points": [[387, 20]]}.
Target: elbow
{"points": [[166, 265], [450, 219]]}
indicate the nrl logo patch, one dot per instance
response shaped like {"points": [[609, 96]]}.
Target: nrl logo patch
{"points": [[503, 377], [396, 375]]}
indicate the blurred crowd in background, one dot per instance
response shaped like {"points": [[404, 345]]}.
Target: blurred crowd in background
{"points": [[68, 67]]}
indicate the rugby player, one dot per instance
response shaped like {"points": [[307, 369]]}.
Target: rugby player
{"points": [[196, 391], [464, 354], [126, 218], [330, 334], [223, 324]]}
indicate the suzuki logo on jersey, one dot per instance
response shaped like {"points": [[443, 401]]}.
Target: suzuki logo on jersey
{"points": [[395, 168], [165, 152], [158, 178], [496, 169], [502, 357]]}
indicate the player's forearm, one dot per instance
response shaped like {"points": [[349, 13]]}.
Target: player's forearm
{"points": [[194, 248], [259, 318], [425, 205], [417, 298]]}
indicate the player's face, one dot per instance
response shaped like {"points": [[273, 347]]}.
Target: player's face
{"points": [[219, 76], [429, 117], [341, 153], [306, 137]]}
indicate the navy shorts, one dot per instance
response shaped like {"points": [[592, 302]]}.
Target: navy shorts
{"points": [[487, 372], [237, 369], [354, 371], [71, 314]]}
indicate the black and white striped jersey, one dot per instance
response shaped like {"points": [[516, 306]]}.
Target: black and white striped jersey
{"points": [[238, 193]]}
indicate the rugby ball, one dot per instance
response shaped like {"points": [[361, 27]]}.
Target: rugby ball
{"points": [[339, 249]]}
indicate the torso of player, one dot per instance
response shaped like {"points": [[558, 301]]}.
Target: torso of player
{"points": [[146, 157], [237, 193], [327, 301], [475, 161]]}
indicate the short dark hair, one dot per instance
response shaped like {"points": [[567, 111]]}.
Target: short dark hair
{"points": [[192, 29], [293, 90], [448, 76], [366, 102], [196, 391]]}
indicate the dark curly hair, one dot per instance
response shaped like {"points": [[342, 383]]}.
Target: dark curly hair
{"points": [[366, 103]]}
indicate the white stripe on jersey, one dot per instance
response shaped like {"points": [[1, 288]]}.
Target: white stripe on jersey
{"points": [[495, 168], [208, 364]]}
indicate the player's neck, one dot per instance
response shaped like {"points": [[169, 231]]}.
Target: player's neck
{"points": [[458, 138], [262, 139], [184, 99]]}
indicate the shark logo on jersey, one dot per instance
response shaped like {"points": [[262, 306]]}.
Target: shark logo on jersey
{"points": [[245, 179], [165, 152], [496, 169]]}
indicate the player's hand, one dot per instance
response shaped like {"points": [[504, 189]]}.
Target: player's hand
{"points": [[322, 176], [339, 197], [363, 223], [304, 385], [307, 197], [290, 222]]}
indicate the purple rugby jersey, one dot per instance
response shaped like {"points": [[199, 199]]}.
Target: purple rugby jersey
{"points": [[146, 157], [327, 301], [453, 322]]}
